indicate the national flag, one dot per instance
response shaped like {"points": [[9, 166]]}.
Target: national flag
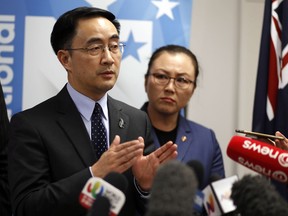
{"points": [[271, 96], [270, 112]]}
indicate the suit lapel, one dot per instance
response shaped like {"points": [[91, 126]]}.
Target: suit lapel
{"points": [[118, 120], [183, 138], [72, 124]]}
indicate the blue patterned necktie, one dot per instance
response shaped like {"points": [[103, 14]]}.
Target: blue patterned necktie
{"points": [[98, 131]]}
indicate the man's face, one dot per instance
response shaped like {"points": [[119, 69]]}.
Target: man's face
{"points": [[169, 99], [92, 75]]}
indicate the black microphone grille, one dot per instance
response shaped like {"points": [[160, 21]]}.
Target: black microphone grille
{"points": [[214, 177], [198, 169], [100, 207], [117, 180], [255, 195], [173, 190]]}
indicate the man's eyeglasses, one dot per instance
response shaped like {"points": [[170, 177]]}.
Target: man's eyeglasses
{"points": [[97, 49], [180, 82]]}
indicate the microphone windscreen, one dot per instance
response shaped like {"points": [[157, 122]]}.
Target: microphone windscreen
{"points": [[173, 190], [254, 195], [110, 187], [214, 177], [100, 207], [259, 156], [198, 169], [117, 180]]}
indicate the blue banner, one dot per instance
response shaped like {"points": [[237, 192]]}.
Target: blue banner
{"points": [[31, 73]]}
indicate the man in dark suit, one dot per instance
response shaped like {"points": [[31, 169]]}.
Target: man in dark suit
{"points": [[51, 156], [5, 208], [170, 82]]}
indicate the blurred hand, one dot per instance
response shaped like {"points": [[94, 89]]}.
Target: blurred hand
{"points": [[118, 157], [145, 167], [283, 144]]}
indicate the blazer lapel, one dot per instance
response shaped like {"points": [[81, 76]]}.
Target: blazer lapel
{"points": [[118, 120], [183, 138], [72, 124]]}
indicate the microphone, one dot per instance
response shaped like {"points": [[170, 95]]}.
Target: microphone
{"points": [[217, 199], [117, 180], [259, 156], [100, 207], [173, 190], [214, 177], [112, 187], [198, 169], [255, 195]]}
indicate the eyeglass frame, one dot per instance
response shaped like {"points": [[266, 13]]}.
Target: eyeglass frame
{"points": [[169, 78], [101, 47]]}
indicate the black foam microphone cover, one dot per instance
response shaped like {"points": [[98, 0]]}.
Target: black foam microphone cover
{"points": [[255, 195], [198, 169], [173, 190], [117, 180], [214, 177], [100, 207]]}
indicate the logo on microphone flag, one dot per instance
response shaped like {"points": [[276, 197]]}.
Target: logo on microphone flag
{"points": [[30, 71], [96, 187], [259, 156], [217, 199]]}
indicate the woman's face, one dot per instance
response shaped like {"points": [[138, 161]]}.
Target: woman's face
{"points": [[169, 98]]}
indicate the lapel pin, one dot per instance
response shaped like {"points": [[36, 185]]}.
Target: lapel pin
{"points": [[121, 123], [183, 138]]}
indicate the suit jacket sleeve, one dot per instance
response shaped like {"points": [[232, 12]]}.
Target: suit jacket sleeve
{"points": [[218, 166], [5, 208]]}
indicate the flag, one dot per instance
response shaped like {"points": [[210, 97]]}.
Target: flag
{"points": [[270, 113], [271, 95]]}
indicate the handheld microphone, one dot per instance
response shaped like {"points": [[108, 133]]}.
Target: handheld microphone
{"points": [[100, 207], [107, 187], [259, 156], [117, 180], [173, 190], [214, 177], [217, 199], [198, 169], [255, 195]]}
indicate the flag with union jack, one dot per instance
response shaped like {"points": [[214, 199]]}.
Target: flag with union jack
{"points": [[271, 96]]}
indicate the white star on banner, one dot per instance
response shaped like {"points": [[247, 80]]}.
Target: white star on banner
{"points": [[100, 4], [165, 8]]}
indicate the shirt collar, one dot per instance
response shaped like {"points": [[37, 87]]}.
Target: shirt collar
{"points": [[85, 105]]}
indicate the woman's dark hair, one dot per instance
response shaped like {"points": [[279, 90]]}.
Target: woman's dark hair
{"points": [[65, 27], [173, 49]]}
